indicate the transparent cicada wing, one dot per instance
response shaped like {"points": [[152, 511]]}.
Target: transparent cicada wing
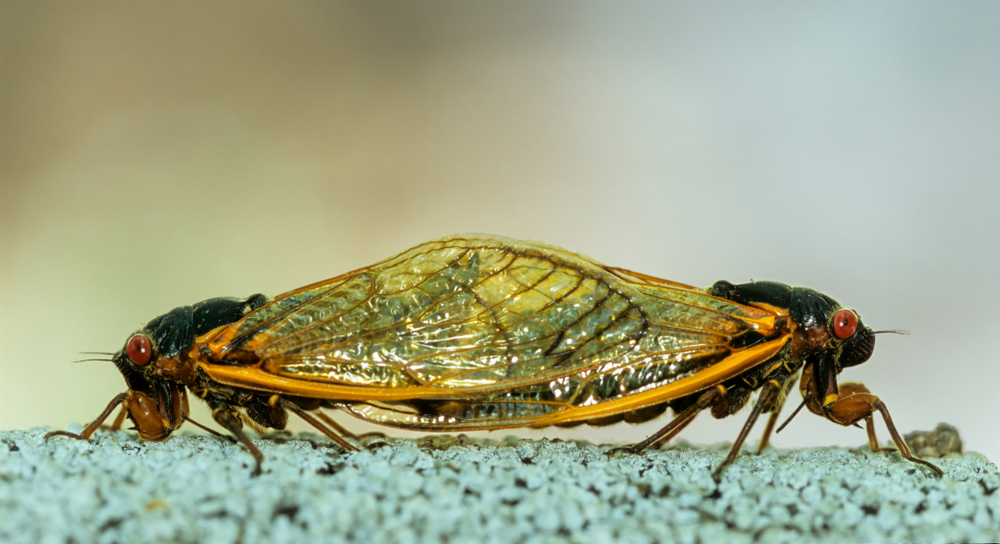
{"points": [[507, 330]]}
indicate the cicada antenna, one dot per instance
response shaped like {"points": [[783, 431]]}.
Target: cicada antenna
{"points": [[108, 360]]}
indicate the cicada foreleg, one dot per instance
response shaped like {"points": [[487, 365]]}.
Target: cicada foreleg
{"points": [[848, 410], [96, 424], [119, 419], [872, 439], [855, 403]]}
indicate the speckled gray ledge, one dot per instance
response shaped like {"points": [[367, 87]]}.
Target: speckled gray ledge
{"points": [[198, 489]]}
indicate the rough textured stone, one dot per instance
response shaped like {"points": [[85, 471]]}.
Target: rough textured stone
{"points": [[197, 488]]}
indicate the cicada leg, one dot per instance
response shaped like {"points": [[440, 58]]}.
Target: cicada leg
{"points": [[662, 441], [209, 430], [872, 439], [677, 424], [297, 410], [854, 388], [344, 433], [232, 423], [765, 401], [855, 403], [340, 430], [775, 412], [96, 424], [119, 419]]}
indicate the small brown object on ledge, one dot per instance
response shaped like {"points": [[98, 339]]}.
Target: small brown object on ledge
{"points": [[943, 441]]}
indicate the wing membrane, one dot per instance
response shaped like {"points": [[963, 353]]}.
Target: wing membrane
{"points": [[474, 317]]}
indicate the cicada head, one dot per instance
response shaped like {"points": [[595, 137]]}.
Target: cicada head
{"points": [[155, 365], [830, 338], [156, 404]]}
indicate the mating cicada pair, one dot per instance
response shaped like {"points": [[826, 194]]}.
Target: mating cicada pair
{"points": [[474, 332]]}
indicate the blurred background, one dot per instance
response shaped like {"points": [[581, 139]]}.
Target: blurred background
{"points": [[157, 154]]}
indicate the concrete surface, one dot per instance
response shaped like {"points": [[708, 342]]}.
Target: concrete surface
{"points": [[197, 488]]}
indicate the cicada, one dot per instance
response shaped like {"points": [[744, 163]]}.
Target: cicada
{"points": [[477, 332]]}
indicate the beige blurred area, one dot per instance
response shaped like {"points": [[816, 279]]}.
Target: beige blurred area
{"points": [[156, 154]]}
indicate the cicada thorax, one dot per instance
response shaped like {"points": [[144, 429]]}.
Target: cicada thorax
{"points": [[823, 334]]}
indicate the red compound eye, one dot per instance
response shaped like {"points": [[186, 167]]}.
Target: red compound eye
{"points": [[845, 322], [139, 349]]}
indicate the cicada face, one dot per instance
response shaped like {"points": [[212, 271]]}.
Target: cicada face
{"points": [[155, 404], [858, 348]]}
